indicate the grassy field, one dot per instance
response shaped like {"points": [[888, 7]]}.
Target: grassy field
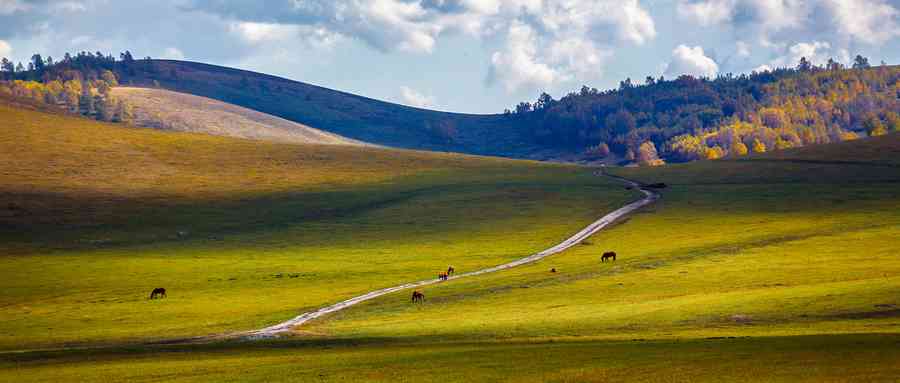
{"points": [[823, 358], [777, 245], [782, 267], [242, 233]]}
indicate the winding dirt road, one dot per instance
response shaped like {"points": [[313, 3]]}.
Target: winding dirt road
{"points": [[649, 197]]}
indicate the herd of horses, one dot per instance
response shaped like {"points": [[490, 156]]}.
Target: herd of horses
{"points": [[418, 296]]}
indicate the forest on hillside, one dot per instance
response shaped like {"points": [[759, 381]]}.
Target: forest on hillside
{"points": [[77, 84], [695, 118], [682, 119]]}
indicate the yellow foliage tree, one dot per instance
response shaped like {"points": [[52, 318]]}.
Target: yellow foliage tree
{"points": [[739, 149], [758, 146], [715, 153]]}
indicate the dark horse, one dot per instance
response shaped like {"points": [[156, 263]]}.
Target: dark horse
{"points": [[608, 255], [450, 270], [158, 292], [418, 296]]}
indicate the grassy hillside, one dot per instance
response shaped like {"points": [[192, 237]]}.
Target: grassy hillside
{"points": [[163, 109], [773, 245], [773, 268], [245, 233], [675, 120], [342, 113]]}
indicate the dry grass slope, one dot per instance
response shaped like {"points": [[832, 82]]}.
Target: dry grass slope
{"points": [[164, 109]]}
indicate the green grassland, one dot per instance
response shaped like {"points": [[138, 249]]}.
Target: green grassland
{"points": [[780, 267], [242, 233], [837, 358], [768, 246]]}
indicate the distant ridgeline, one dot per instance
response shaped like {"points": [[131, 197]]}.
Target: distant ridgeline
{"points": [[673, 120], [689, 118]]}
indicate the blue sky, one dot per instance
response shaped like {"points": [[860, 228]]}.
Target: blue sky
{"points": [[476, 56]]}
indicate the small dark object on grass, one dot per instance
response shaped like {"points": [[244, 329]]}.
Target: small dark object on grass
{"points": [[417, 296], [158, 292], [608, 255], [553, 270]]}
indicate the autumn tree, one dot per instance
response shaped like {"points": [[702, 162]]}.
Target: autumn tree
{"points": [[738, 149], [893, 121], [647, 155], [874, 126], [758, 146], [714, 153]]}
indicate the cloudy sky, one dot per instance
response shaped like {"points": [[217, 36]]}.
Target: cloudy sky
{"points": [[477, 56]]}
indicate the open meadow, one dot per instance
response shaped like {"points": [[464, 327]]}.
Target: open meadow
{"points": [[244, 234], [778, 267]]}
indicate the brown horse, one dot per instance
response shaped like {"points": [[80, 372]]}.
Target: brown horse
{"points": [[158, 292], [418, 296], [442, 276], [608, 255], [450, 270]]}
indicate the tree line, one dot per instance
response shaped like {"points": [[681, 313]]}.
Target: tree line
{"points": [[692, 118], [78, 83]]}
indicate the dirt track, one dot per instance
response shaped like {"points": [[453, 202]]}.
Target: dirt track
{"points": [[649, 197]]}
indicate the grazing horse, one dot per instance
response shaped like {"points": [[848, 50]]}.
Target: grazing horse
{"points": [[450, 270], [608, 255], [442, 276], [553, 270], [158, 292], [418, 296]]}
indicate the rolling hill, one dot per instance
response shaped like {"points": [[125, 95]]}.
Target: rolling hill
{"points": [[168, 110], [348, 115], [674, 120], [245, 233], [800, 269]]}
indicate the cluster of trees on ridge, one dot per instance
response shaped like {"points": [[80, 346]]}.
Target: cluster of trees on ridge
{"points": [[77, 84], [695, 118]]}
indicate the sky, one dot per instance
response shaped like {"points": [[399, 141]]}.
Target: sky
{"points": [[471, 56]]}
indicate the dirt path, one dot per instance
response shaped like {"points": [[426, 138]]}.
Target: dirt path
{"points": [[649, 197]]}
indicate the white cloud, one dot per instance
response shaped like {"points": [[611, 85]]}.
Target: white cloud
{"points": [[548, 43], [869, 21], [542, 42], [576, 56], [636, 26], [518, 66], [817, 52], [692, 61], [743, 49], [253, 32], [866, 21], [173, 53], [412, 97], [706, 12], [5, 48], [767, 15], [762, 68]]}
